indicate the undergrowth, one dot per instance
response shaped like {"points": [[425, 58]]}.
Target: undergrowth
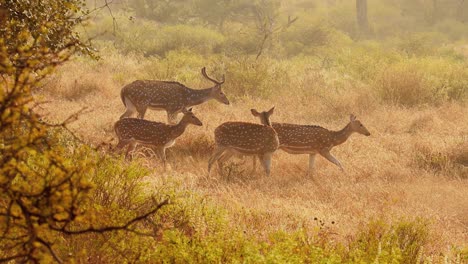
{"points": [[192, 229]]}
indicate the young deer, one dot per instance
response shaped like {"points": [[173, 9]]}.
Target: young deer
{"points": [[306, 139], [246, 139], [172, 97], [133, 131]]}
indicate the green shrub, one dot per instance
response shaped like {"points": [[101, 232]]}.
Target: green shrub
{"points": [[306, 36], [421, 44], [150, 38], [364, 60], [380, 242], [241, 40], [453, 29], [257, 78], [447, 78]]}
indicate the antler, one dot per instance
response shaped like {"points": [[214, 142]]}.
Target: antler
{"points": [[203, 71]]}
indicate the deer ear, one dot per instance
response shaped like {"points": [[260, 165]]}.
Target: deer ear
{"points": [[352, 117], [270, 112], [190, 109], [254, 112]]}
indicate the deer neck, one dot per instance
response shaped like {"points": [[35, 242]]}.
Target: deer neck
{"points": [[197, 97], [265, 120], [179, 129], [339, 137]]}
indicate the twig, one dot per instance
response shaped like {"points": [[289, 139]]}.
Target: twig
{"points": [[113, 228], [49, 247]]}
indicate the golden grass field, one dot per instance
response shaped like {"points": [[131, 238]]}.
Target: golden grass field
{"points": [[415, 163]]}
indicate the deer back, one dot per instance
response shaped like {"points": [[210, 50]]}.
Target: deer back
{"points": [[143, 131], [247, 137], [157, 94], [303, 136]]}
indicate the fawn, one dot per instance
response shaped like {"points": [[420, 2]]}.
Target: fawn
{"points": [[133, 131]]}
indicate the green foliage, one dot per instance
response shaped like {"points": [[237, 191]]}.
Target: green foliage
{"points": [[62, 200], [306, 36], [44, 189], [41, 189], [382, 243], [193, 230], [423, 81], [35, 25], [260, 78], [151, 39]]}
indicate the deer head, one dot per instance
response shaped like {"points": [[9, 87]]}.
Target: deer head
{"points": [[216, 92], [357, 126], [264, 116], [190, 118]]}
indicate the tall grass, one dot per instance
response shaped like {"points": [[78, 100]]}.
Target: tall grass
{"points": [[412, 166], [410, 174]]}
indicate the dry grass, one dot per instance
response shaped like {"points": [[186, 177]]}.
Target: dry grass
{"points": [[414, 164]]}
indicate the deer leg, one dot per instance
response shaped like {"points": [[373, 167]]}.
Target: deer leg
{"points": [[120, 145], [266, 162], [131, 148], [162, 155], [225, 157], [130, 109], [311, 164], [218, 152], [172, 117], [332, 159], [254, 164], [142, 112]]}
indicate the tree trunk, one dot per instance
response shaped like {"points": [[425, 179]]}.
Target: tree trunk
{"points": [[361, 15], [435, 9], [460, 11]]}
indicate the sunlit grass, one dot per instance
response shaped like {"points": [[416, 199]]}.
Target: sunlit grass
{"points": [[413, 165]]}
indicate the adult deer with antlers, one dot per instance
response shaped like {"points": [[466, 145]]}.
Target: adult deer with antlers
{"points": [[245, 138], [133, 131], [172, 97]]}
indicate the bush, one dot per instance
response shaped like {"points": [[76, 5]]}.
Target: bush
{"points": [[306, 36], [257, 78], [150, 38], [404, 85], [451, 161], [193, 230], [454, 29], [380, 242], [419, 44]]}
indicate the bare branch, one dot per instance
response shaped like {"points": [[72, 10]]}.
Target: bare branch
{"points": [[70, 119], [13, 257], [113, 228], [52, 252]]}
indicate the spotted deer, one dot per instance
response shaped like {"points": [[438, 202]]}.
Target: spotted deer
{"points": [[312, 140], [245, 138], [169, 96], [133, 131]]}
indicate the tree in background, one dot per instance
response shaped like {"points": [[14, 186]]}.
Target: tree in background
{"points": [[44, 187], [361, 15], [210, 12]]}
